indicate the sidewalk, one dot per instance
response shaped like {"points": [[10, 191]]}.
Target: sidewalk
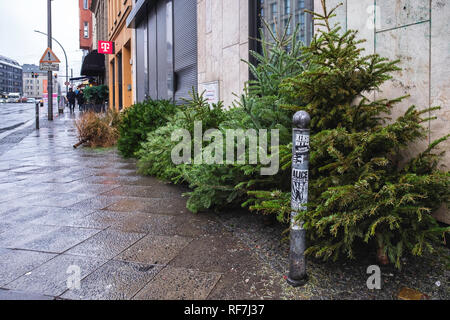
{"points": [[64, 211]]}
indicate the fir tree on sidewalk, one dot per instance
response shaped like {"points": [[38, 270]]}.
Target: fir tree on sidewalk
{"points": [[359, 191]]}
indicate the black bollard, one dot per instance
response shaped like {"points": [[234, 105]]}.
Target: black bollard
{"points": [[299, 197], [37, 115]]}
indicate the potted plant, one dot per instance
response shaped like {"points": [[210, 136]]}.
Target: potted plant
{"points": [[95, 97]]}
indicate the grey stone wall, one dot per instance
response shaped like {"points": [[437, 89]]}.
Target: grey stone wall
{"points": [[418, 33], [222, 28]]}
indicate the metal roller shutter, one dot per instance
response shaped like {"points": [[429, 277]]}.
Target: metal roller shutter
{"points": [[185, 47]]}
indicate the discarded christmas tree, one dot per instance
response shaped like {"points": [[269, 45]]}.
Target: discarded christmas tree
{"points": [[360, 191]]}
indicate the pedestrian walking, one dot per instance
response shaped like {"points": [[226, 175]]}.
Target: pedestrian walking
{"points": [[80, 100], [71, 99]]}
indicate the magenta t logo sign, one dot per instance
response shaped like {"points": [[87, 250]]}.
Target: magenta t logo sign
{"points": [[105, 47]]}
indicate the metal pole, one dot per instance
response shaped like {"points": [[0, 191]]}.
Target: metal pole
{"points": [[37, 115], [299, 188], [50, 73]]}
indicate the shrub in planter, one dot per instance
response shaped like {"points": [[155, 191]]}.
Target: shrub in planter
{"points": [[140, 119], [96, 96], [360, 192]]}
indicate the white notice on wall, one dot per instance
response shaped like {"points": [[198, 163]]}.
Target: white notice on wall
{"points": [[211, 91]]}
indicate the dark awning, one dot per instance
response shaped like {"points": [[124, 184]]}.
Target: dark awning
{"points": [[93, 64], [81, 78]]}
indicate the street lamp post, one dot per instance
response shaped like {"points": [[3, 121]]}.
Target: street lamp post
{"points": [[65, 56], [50, 73]]}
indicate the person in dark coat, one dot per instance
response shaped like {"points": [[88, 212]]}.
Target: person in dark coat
{"points": [[71, 99], [80, 100]]}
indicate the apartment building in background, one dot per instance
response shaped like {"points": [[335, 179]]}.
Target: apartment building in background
{"points": [[10, 76], [35, 81], [86, 26]]}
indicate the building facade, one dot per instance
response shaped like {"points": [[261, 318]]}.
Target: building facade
{"points": [[10, 76], [86, 26], [200, 44], [35, 81], [99, 8], [120, 63]]}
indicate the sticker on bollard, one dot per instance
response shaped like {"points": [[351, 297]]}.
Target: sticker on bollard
{"points": [[299, 197]]}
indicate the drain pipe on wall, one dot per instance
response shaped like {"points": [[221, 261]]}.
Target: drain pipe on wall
{"points": [[299, 197]]}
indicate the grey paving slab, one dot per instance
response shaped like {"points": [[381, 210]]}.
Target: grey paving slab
{"points": [[179, 284], [54, 199], [100, 180], [93, 189], [218, 253], [60, 217], [95, 203], [58, 240], [20, 295], [115, 280], [155, 249], [15, 263], [106, 244], [23, 233], [196, 225], [158, 190], [25, 214], [8, 205], [11, 195], [5, 227], [166, 206], [56, 276], [99, 219], [146, 223]]}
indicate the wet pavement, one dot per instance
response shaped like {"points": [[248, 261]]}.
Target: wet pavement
{"points": [[81, 224]]}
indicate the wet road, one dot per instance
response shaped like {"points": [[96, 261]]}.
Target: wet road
{"points": [[13, 115]]}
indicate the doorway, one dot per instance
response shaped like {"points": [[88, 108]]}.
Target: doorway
{"points": [[120, 80]]}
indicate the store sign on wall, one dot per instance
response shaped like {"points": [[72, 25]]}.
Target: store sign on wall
{"points": [[105, 47]]}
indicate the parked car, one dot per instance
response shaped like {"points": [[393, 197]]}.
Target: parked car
{"points": [[13, 97], [31, 100], [2, 100]]}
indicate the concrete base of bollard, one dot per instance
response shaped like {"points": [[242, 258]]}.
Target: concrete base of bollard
{"points": [[297, 283]]}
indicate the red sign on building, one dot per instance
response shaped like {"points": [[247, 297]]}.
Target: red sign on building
{"points": [[105, 47]]}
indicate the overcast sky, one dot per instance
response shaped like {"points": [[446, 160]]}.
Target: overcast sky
{"points": [[19, 19]]}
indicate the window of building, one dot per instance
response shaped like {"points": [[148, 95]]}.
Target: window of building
{"points": [[292, 15], [86, 30], [287, 6], [273, 9], [85, 4]]}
